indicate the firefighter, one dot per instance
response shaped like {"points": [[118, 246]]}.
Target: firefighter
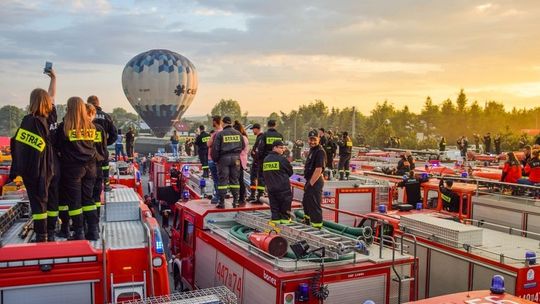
{"points": [[345, 151], [53, 195], [33, 158], [487, 143], [254, 170], [101, 146], [313, 173], [297, 150], [412, 187], [330, 148], [104, 120], [212, 165], [226, 152], [265, 146], [450, 198], [130, 139], [75, 142], [202, 149], [276, 171], [442, 144]]}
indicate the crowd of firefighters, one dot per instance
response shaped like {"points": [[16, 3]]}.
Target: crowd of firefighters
{"points": [[224, 152], [65, 165]]}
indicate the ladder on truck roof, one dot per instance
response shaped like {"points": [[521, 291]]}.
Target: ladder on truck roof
{"points": [[334, 244], [18, 211]]}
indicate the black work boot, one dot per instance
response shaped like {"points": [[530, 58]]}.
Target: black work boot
{"points": [[221, 203], [251, 197], [235, 199], [93, 233], [64, 230], [205, 173], [341, 176], [41, 237], [51, 235], [78, 234]]}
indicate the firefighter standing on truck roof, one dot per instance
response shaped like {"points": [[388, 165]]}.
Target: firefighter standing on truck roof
{"points": [[330, 148], [202, 149], [449, 198], [104, 120], [254, 170], [226, 152], [345, 150], [101, 147], [75, 141], [265, 146], [313, 173], [32, 159], [276, 171]]}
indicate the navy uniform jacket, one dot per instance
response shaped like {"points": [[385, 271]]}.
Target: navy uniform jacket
{"points": [[276, 172], [76, 149], [316, 159], [228, 141], [32, 154], [265, 144], [202, 142]]}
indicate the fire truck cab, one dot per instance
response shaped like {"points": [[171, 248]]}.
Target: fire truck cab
{"points": [[127, 262]]}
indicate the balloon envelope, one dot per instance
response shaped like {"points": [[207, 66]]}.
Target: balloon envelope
{"points": [[160, 85]]}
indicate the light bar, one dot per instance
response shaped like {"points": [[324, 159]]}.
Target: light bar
{"points": [[79, 259]]}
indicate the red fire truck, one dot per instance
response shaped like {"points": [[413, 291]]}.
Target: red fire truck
{"points": [[213, 246], [475, 297], [127, 262], [161, 167], [126, 174], [448, 249]]}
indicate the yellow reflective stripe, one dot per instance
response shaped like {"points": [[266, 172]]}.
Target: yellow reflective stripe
{"points": [[75, 212], [98, 137], [63, 208], [31, 139], [205, 167], [88, 134], [231, 138], [52, 213], [234, 186], [271, 140], [446, 198], [222, 187], [316, 225], [349, 143], [89, 208], [306, 216], [286, 221], [39, 216], [271, 166], [104, 167], [205, 139], [98, 204], [261, 188]]}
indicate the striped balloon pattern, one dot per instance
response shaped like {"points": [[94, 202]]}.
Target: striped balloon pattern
{"points": [[160, 85]]}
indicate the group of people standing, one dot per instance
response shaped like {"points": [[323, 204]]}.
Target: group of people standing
{"points": [[63, 166]]}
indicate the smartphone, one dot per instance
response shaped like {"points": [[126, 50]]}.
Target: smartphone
{"points": [[48, 67]]}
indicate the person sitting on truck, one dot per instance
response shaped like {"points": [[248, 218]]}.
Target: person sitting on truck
{"points": [[450, 199], [403, 167], [511, 172], [412, 187]]}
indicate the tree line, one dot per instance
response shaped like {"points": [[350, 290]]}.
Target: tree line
{"points": [[451, 119]]}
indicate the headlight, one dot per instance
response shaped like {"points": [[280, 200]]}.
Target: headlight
{"points": [[157, 262]]}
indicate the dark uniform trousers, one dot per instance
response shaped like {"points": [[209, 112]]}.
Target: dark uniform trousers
{"points": [[38, 203], [253, 176], [228, 171], [343, 165], [53, 199], [203, 158], [78, 182], [312, 202], [98, 188], [280, 204]]}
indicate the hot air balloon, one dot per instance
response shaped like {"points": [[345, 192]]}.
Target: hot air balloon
{"points": [[160, 85]]}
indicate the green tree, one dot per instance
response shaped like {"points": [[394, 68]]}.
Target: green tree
{"points": [[227, 107], [10, 120], [123, 119]]}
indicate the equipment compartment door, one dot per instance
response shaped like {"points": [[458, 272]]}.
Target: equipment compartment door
{"points": [[80, 293]]}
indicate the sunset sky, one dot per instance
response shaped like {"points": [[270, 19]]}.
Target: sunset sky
{"points": [[276, 55]]}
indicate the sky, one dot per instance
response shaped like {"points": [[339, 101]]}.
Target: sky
{"points": [[276, 55]]}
